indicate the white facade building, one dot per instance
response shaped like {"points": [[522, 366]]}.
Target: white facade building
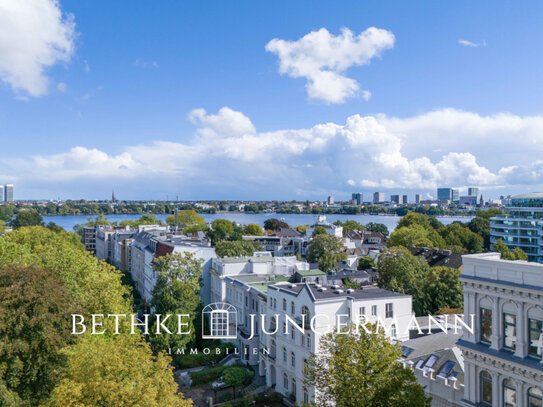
{"points": [[284, 365], [503, 364], [331, 229]]}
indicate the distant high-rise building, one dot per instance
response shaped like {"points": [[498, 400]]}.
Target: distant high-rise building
{"points": [[357, 198], [330, 200], [8, 193], [418, 198], [455, 197], [395, 199], [378, 197], [1, 193], [472, 191], [444, 194], [403, 199]]}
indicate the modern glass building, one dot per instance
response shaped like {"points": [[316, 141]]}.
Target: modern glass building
{"points": [[522, 225], [8, 193]]}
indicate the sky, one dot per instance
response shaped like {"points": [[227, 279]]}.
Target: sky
{"points": [[261, 100]]}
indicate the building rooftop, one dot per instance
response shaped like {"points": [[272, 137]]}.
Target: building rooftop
{"points": [[533, 195], [314, 272], [244, 259], [319, 292]]}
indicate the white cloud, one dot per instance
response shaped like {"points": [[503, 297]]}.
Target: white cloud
{"points": [[34, 35], [62, 87], [228, 155], [323, 58], [86, 66], [145, 64], [472, 44]]}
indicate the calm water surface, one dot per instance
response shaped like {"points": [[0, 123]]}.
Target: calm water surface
{"points": [[68, 222]]}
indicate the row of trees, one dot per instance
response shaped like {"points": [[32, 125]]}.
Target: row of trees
{"points": [[46, 276]]}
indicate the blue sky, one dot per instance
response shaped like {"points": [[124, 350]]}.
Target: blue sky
{"points": [[130, 74]]}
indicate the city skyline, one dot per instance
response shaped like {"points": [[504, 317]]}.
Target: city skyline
{"points": [[122, 98]]}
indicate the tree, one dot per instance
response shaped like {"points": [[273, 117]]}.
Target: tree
{"points": [[94, 285], [361, 369], [415, 235], [35, 310], [377, 227], [481, 226], [54, 227], [252, 229], [177, 291], [27, 217], [506, 254], [221, 229], [119, 371], [185, 218], [457, 235], [275, 224], [439, 289], [227, 248], [365, 263], [400, 271], [319, 230], [327, 250], [488, 213]]}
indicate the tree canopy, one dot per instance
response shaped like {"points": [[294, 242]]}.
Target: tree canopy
{"points": [[186, 218], [361, 369], [507, 254], [236, 248], [439, 289], [327, 250], [119, 371], [27, 217], [252, 229], [35, 313], [377, 227], [275, 224]]}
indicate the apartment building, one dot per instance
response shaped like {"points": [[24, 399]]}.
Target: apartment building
{"points": [[154, 241], [502, 357], [522, 225], [331, 229], [283, 366]]}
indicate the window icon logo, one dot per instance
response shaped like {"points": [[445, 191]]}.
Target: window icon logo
{"points": [[220, 321]]}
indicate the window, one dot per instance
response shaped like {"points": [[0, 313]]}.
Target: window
{"points": [[284, 354], [292, 308], [246, 301], [393, 331], [292, 359], [293, 388], [293, 335], [509, 393], [305, 311], [446, 369], [362, 310], [509, 331], [284, 304], [389, 313], [486, 325], [309, 340], [486, 388], [374, 310], [285, 381], [535, 328], [535, 397], [306, 396]]}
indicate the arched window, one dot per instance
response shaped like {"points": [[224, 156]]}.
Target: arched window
{"points": [[292, 359], [285, 381], [292, 308], [535, 397], [293, 388], [509, 393], [306, 396], [486, 388], [284, 354], [309, 340], [284, 304]]}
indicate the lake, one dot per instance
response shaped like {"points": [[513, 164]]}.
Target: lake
{"points": [[68, 222]]}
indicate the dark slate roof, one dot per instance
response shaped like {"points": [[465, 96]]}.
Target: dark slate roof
{"points": [[436, 257], [289, 232], [439, 349]]}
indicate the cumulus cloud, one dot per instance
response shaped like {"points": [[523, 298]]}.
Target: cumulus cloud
{"points": [[322, 58], [472, 44], [34, 36], [227, 154]]}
